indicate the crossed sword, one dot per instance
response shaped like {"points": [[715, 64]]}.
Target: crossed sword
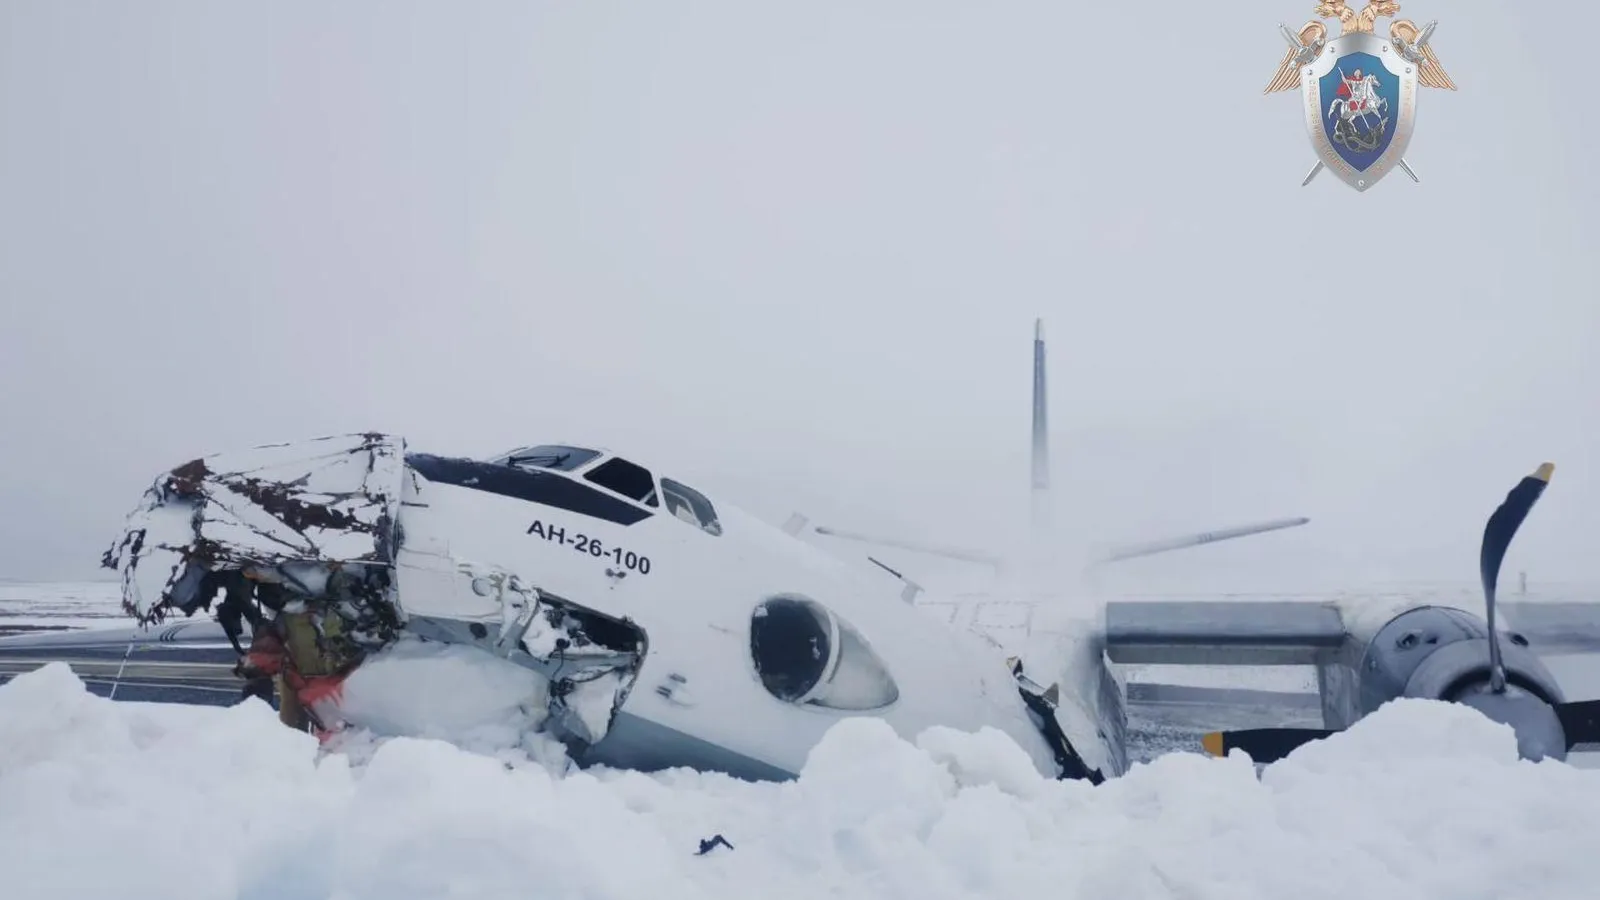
{"points": [[1303, 54]]}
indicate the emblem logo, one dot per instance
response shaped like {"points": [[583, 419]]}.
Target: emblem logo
{"points": [[1359, 90]]}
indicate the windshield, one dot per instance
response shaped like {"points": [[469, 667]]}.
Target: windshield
{"points": [[690, 505], [549, 456]]}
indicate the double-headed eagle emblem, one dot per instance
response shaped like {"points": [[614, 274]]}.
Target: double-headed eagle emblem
{"points": [[1359, 89]]}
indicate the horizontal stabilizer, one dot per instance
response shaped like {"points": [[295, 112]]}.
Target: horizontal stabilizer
{"points": [[972, 556], [1225, 633], [1132, 551], [1116, 554]]}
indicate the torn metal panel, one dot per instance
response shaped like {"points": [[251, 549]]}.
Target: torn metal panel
{"points": [[590, 660], [331, 500], [305, 541]]}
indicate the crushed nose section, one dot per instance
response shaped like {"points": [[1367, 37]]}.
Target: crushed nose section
{"points": [[323, 502], [297, 539], [304, 542], [591, 661]]}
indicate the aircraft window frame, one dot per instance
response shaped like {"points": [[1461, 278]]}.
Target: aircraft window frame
{"points": [[698, 505], [567, 458], [651, 497]]}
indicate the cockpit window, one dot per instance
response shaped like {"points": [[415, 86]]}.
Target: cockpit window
{"points": [[549, 456], [632, 481], [690, 505]]}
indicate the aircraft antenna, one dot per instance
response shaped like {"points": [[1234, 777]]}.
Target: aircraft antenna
{"points": [[1041, 429]]}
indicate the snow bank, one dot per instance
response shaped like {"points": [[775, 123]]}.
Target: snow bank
{"points": [[1422, 800], [449, 692]]}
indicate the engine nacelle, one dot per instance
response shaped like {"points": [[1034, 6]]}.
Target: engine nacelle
{"points": [[1402, 648], [1442, 653]]}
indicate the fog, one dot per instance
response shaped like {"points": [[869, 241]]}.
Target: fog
{"points": [[794, 252]]}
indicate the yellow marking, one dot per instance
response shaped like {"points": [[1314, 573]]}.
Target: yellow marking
{"points": [[1545, 471], [1212, 743]]}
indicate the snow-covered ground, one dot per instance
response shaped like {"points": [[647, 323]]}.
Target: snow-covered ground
{"points": [[36, 606], [136, 800], [1421, 800]]}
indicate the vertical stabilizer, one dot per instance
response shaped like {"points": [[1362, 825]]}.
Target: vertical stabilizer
{"points": [[1041, 432], [1041, 427]]}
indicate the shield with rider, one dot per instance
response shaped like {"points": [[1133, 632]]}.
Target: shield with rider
{"points": [[1359, 89], [1359, 107]]}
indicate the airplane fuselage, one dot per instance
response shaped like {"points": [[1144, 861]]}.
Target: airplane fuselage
{"points": [[671, 629], [700, 592]]}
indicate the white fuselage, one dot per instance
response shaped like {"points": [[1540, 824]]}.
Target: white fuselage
{"points": [[693, 593]]}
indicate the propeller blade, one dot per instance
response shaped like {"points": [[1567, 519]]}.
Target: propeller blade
{"points": [[1505, 521], [1581, 721], [1264, 745], [1497, 534]]}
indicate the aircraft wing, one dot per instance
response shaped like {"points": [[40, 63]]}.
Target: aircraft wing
{"points": [[1560, 626], [1282, 711], [1298, 632]]}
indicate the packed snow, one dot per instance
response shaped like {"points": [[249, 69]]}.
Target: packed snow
{"points": [[28, 606], [131, 800]]}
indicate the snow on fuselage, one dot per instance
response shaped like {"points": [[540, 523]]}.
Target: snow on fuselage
{"points": [[698, 593]]}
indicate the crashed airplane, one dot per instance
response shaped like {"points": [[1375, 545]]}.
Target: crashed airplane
{"points": [[673, 629], [586, 567]]}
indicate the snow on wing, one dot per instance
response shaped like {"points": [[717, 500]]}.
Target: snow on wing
{"points": [[332, 499]]}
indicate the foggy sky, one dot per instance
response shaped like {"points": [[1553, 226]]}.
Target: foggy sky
{"points": [[794, 252]]}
